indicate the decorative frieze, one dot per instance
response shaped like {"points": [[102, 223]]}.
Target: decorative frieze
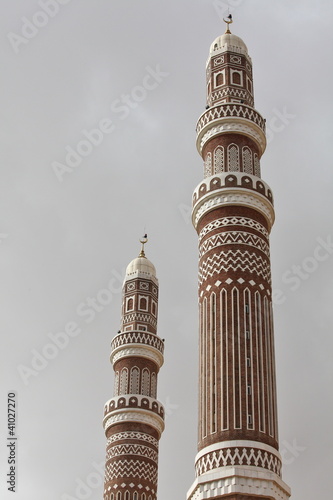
{"points": [[252, 456], [230, 110], [232, 180], [132, 436], [234, 238], [137, 337], [230, 93], [144, 417], [131, 468], [234, 260], [243, 222], [134, 401], [233, 196], [131, 449]]}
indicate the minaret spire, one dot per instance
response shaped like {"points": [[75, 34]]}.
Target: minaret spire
{"points": [[228, 21], [143, 241]]}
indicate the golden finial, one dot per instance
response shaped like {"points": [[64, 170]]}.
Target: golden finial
{"points": [[143, 241], [228, 21]]}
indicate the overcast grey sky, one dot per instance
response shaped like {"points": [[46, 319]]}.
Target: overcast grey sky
{"points": [[136, 71]]}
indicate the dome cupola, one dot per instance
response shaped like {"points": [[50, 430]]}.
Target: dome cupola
{"points": [[141, 266]]}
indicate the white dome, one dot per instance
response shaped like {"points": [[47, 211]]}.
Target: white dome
{"points": [[228, 42], [141, 265]]}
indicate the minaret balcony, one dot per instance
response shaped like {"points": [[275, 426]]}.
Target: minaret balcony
{"points": [[231, 118], [134, 408], [134, 401], [236, 188], [139, 344]]}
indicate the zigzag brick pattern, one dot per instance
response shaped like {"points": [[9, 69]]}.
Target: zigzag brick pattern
{"points": [[244, 222], [132, 449], [130, 469], [230, 110], [135, 337], [234, 237], [132, 437], [238, 456], [234, 260]]}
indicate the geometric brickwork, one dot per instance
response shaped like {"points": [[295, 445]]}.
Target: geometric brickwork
{"points": [[131, 469], [131, 436], [238, 456], [234, 260], [132, 449], [135, 337], [234, 237], [244, 222]]}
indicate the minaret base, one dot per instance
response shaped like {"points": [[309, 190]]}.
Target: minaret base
{"points": [[239, 483]]}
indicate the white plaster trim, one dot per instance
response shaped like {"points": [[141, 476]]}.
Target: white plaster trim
{"points": [[233, 196], [229, 48], [143, 275], [223, 176], [139, 397], [244, 480], [137, 350], [228, 125], [137, 415], [237, 444]]}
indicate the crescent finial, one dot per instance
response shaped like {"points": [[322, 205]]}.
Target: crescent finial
{"points": [[228, 21], [143, 241]]}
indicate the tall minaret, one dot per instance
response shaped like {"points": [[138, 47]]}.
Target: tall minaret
{"points": [[133, 418], [233, 214]]}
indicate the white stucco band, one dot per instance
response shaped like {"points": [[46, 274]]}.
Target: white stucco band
{"points": [[233, 196], [241, 480], [237, 443], [136, 415], [228, 125], [139, 351]]}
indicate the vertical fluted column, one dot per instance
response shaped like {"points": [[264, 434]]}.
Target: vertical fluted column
{"points": [[233, 215], [134, 418]]}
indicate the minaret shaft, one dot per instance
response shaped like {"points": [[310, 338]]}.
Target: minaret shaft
{"points": [[237, 376]]}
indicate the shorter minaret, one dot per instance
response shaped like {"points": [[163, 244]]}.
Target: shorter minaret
{"points": [[133, 418]]}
